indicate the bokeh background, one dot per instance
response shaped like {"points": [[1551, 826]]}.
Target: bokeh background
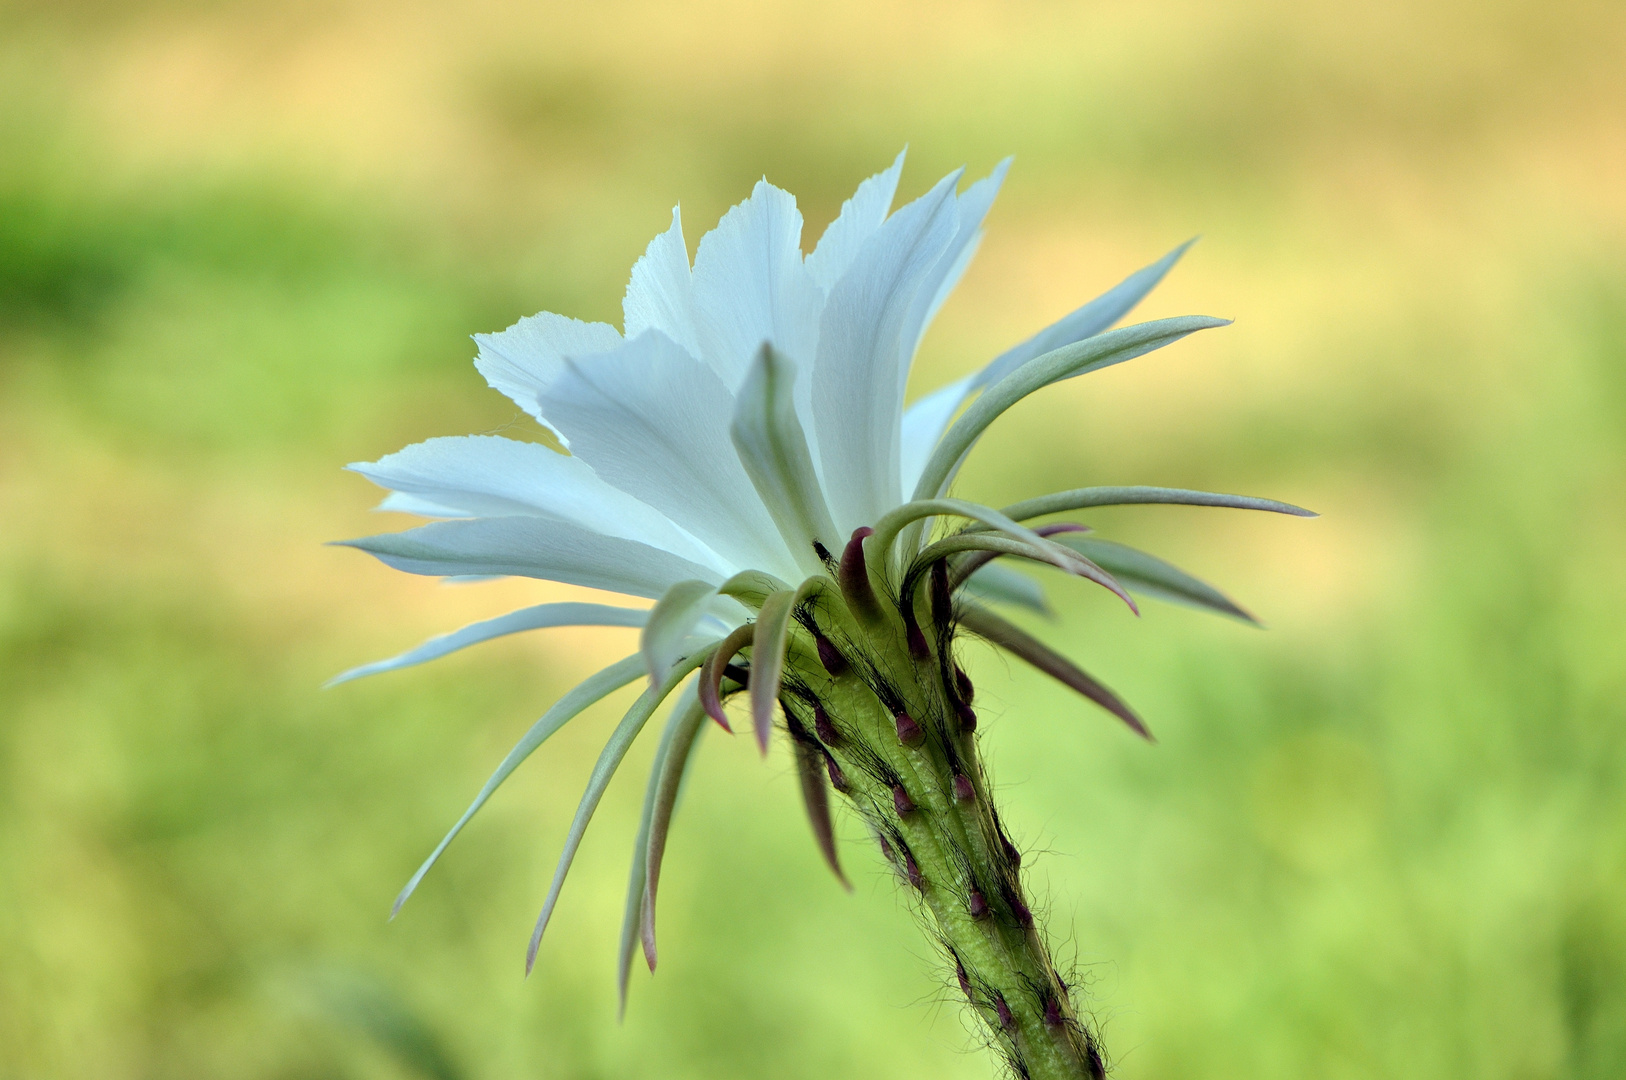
{"points": [[242, 244]]}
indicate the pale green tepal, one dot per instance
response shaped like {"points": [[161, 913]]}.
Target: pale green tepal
{"points": [[741, 455]]}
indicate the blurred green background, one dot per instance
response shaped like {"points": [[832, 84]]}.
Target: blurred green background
{"points": [[242, 244]]}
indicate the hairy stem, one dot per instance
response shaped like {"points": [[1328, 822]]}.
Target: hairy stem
{"points": [[884, 705]]}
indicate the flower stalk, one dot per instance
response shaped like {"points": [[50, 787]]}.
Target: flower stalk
{"points": [[895, 734]]}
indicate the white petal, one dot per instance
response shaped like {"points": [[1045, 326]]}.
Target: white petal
{"points": [[539, 617], [864, 352], [653, 421], [973, 207], [860, 216], [524, 359], [660, 295], [533, 547], [489, 476], [750, 286], [924, 423]]}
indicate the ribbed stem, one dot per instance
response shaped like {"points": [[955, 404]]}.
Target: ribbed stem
{"points": [[898, 737]]}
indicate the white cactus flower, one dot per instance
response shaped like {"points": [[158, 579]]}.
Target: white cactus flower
{"points": [[731, 448]]}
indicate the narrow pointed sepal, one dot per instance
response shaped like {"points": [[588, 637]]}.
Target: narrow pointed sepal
{"points": [[853, 577], [768, 644], [711, 673], [810, 766], [670, 622], [1014, 639], [687, 718]]}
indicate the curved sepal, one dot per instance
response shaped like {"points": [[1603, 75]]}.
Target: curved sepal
{"points": [[711, 672], [609, 760], [1039, 550], [1062, 502], [1012, 638], [671, 621], [666, 780], [768, 646], [1151, 576], [810, 767], [539, 617], [588, 691], [1079, 358], [772, 445]]}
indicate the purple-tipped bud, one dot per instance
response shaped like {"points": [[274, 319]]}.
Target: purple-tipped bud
{"points": [[912, 869], [965, 981], [977, 905], [1052, 1013], [838, 779], [825, 730], [962, 685], [967, 717], [1006, 1021], [901, 801], [853, 577], [886, 850], [1012, 856], [963, 791], [830, 656], [1010, 851], [1024, 917], [909, 733]]}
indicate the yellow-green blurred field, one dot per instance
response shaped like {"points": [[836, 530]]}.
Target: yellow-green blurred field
{"points": [[242, 244]]}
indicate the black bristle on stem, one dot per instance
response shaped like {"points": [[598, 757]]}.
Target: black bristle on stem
{"points": [[824, 557]]}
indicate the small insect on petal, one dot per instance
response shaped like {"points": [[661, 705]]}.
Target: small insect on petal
{"points": [[963, 791], [909, 733], [901, 801]]}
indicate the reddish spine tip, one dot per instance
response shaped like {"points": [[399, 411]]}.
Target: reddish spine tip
{"points": [[901, 801], [963, 791], [962, 684], [912, 868], [830, 656], [917, 640], [853, 576], [1052, 1013], [1006, 1021], [965, 982], [825, 730], [1024, 917], [977, 905], [909, 733], [1012, 856], [967, 717], [886, 850], [838, 779]]}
